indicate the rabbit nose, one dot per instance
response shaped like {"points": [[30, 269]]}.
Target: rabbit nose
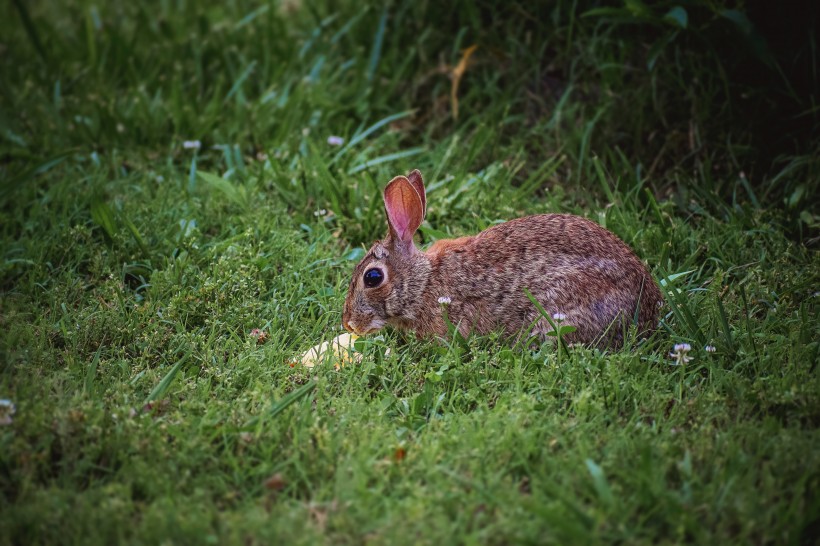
{"points": [[347, 326]]}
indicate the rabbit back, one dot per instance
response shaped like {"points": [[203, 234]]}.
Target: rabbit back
{"points": [[576, 269]]}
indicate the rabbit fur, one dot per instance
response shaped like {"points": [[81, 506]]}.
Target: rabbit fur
{"points": [[571, 265]]}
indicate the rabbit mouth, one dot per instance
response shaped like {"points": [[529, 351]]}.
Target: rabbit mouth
{"points": [[363, 330]]}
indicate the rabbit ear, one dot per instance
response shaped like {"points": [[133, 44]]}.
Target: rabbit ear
{"points": [[415, 178], [404, 207]]}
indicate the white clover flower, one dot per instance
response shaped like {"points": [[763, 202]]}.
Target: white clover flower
{"points": [[679, 354], [192, 145], [710, 349], [335, 140], [7, 409], [445, 300], [559, 317]]}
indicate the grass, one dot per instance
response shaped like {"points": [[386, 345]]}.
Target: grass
{"points": [[134, 270]]}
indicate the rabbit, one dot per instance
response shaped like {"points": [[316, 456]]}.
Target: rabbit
{"points": [[582, 274]]}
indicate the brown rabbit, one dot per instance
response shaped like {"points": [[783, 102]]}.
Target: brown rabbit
{"points": [[571, 265]]}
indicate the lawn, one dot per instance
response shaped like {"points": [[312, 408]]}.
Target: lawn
{"points": [[185, 188]]}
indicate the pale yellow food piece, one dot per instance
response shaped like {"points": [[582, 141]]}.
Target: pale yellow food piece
{"points": [[340, 349]]}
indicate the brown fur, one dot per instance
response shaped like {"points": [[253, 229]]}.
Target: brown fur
{"points": [[570, 264]]}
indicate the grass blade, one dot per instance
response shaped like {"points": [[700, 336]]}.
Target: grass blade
{"points": [[192, 176], [600, 483], [680, 308], [653, 204], [369, 131], [31, 30], [232, 192], [166, 381], [749, 191], [749, 328], [724, 323], [536, 180], [668, 280], [385, 159], [103, 216], [555, 329], [91, 373], [239, 81], [599, 170], [291, 398], [136, 234], [376, 52]]}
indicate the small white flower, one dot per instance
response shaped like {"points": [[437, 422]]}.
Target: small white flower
{"points": [[679, 354], [320, 212], [335, 140], [710, 348], [7, 409], [445, 300], [559, 317], [192, 145]]}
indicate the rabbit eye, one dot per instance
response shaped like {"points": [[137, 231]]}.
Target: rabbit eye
{"points": [[373, 277]]}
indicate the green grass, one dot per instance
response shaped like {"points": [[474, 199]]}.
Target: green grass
{"points": [[133, 271]]}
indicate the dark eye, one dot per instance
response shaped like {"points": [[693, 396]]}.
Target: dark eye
{"points": [[373, 277]]}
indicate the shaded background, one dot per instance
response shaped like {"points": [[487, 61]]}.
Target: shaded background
{"points": [[664, 89]]}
